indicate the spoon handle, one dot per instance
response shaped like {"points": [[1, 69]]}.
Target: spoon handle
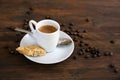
{"points": [[23, 30]]}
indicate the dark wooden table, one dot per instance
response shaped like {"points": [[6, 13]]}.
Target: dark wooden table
{"points": [[98, 22]]}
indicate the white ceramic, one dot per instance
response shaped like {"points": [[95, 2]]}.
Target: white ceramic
{"points": [[60, 54], [48, 41]]}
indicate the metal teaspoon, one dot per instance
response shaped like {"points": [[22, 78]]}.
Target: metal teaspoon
{"points": [[62, 41]]}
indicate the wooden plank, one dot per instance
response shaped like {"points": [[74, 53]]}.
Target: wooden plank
{"points": [[99, 18]]}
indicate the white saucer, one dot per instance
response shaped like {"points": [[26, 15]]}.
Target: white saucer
{"points": [[60, 54]]}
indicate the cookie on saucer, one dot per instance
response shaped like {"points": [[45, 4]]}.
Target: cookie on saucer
{"points": [[31, 50]]}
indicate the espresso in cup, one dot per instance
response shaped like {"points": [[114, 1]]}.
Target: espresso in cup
{"points": [[47, 29]]}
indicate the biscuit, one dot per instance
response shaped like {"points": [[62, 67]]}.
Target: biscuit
{"points": [[31, 50]]}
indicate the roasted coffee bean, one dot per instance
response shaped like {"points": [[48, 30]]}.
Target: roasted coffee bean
{"points": [[81, 45], [25, 23], [18, 34], [81, 41], [97, 51], [72, 33], [83, 50], [69, 27], [26, 20], [28, 12], [112, 42], [90, 47], [116, 70], [68, 32], [78, 34], [17, 53], [74, 58], [106, 53], [92, 52], [94, 56], [98, 55], [87, 50], [11, 51], [86, 44], [30, 8], [70, 24], [111, 65], [47, 17], [62, 25], [74, 39], [11, 28], [75, 33], [84, 31], [110, 53], [87, 56], [81, 36], [80, 53], [87, 20]]}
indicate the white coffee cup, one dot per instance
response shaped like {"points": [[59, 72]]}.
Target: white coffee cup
{"points": [[48, 41]]}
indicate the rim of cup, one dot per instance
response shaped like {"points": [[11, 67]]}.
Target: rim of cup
{"points": [[50, 20]]}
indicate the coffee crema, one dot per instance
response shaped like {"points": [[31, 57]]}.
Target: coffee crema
{"points": [[47, 29]]}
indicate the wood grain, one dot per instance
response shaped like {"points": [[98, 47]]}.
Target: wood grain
{"points": [[103, 26]]}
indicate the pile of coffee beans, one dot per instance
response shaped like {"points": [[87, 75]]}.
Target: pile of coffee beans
{"points": [[26, 20], [84, 49], [47, 17], [11, 50], [19, 35]]}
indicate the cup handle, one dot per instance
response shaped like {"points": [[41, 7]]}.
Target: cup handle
{"points": [[31, 23]]}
